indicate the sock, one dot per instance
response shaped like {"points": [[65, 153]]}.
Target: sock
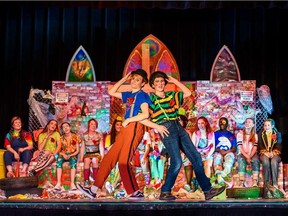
{"points": [[86, 174]]}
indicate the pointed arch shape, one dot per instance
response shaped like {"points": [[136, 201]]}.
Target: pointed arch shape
{"points": [[152, 55], [80, 69], [225, 67]]}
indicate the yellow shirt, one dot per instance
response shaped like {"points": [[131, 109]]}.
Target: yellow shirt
{"points": [[51, 143]]}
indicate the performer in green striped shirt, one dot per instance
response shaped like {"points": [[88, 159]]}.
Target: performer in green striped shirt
{"points": [[163, 111]]}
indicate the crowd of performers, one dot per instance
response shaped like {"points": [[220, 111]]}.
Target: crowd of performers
{"points": [[152, 136]]}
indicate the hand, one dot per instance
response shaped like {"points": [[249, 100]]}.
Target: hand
{"points": [[248, 160], [66, 157], [16, 156], [222, 152], [271, 154], [171, 79], [125, 123], [127, 77], [267, 154], [162, 130], [204, 155], [21, 150]]}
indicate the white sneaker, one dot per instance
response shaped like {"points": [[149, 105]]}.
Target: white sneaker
{"points": [[109, 187], [87, 191], [137, 195], [255, 183]]}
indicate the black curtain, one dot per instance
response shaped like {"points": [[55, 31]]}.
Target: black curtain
{"points": [[38, 40]]}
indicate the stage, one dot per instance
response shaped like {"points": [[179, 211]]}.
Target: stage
{"points": [[179, 207]]}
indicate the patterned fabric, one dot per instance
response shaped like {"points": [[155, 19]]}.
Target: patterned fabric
{"points": [[69, 147], [246, 145], [51, 143], [129, 99], [204, 145], [274, 145], [92, 142], [16, 135], [170, 104], [225, 140]]}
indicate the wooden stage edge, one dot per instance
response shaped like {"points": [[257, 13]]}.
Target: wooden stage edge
{"points": [[243, 207]]}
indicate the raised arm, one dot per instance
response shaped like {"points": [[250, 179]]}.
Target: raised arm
{"points": [[113, 91], [186, 91]]}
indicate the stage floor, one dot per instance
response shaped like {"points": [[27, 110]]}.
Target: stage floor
{"points": [[243, 207]]}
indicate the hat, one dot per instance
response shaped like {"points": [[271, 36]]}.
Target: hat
{"points": [[142, 73], [157, 74]]}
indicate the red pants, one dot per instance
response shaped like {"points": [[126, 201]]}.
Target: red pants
{"points": [[122, 151]]}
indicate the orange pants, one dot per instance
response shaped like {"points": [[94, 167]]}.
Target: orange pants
{"points": [[122, 151]]}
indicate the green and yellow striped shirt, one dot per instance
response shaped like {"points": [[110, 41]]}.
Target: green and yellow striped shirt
{"points": [[170, 104]]}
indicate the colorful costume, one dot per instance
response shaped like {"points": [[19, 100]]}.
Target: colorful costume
{"points": [[68, 148], [128, 139], [157, 161], [44, 160], [247, 146], [206, 147], [164, 111], [224, 140], [13, 139], [140, 152], [270, 143], [92, 150]]}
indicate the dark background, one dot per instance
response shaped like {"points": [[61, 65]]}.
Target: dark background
{"points": [[38, 40]]}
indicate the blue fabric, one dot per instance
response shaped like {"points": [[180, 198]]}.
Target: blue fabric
{"points": [[225, 140], [129, 97], [270, 168], [177, 140], [25, 156]]}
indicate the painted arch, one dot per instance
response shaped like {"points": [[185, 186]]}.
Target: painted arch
{"points": [[225, 67], [151, 54]]}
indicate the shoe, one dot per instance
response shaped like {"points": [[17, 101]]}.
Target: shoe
{"points": [[255, 183], [31, 172], [57, 187], [187, 187], [137, 195], [213, 192], [73, 187], [109, 187], [87, 191], [166, 196], [220, 179]]}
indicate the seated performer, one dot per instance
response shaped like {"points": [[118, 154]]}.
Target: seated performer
{"points": [[224, 156], [69, 151], [48, 145], [247, 141], [18, 143], [92, 150], [269, 148]]}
